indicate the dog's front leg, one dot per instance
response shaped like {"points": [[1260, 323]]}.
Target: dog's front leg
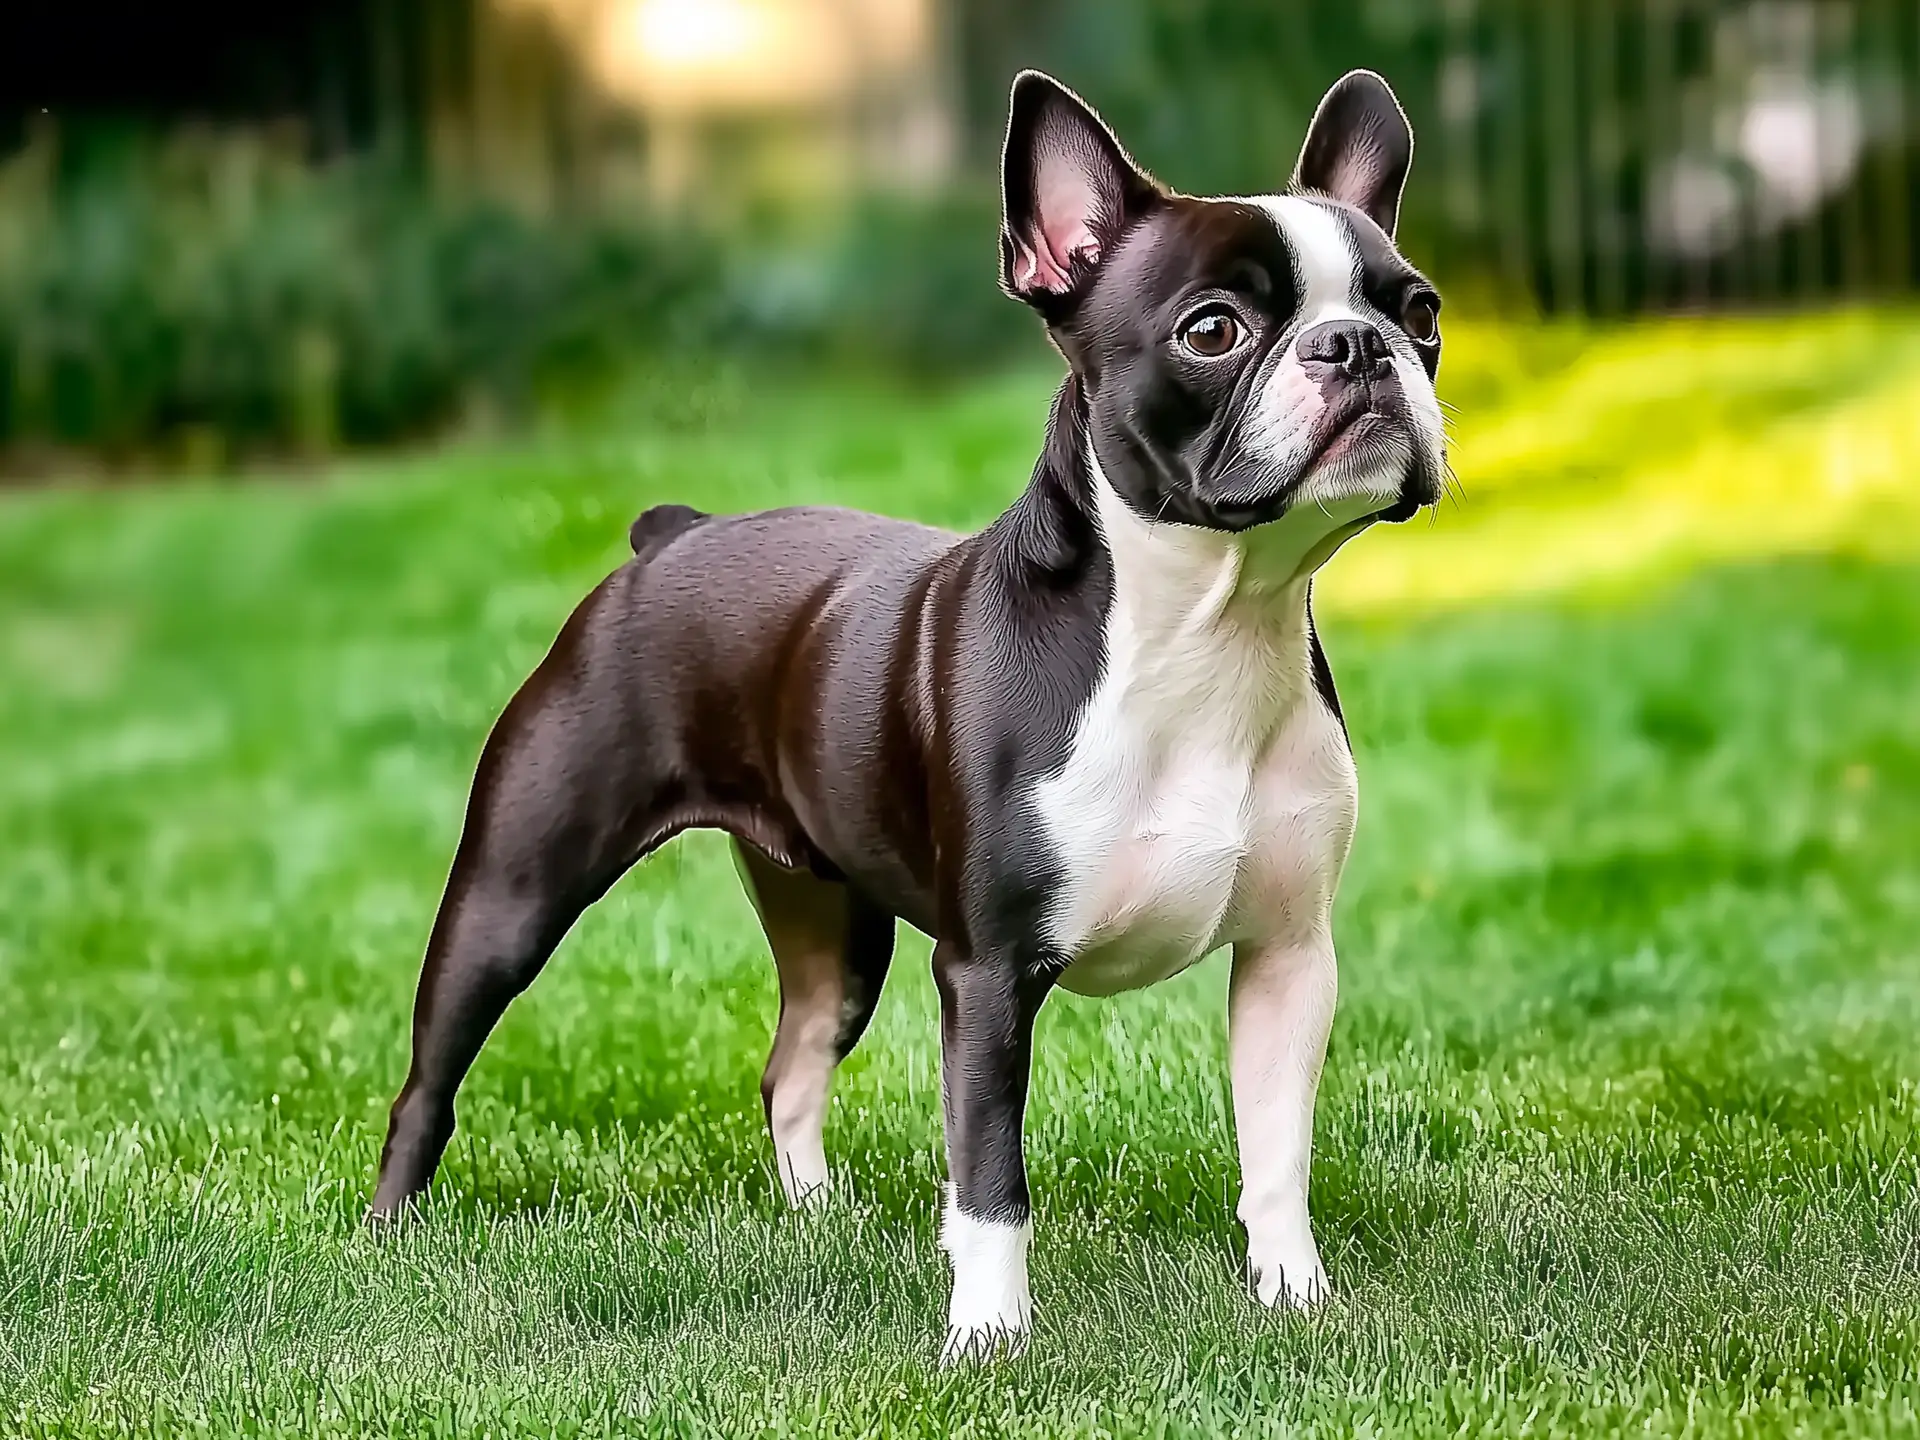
{"points": [[987, 1009], [1280, 1011]]}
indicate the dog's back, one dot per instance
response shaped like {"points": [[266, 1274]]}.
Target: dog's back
{"points": [[761, 658], [739, 599]]}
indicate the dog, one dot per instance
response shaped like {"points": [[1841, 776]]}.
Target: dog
{"points": [[1086, 746]]}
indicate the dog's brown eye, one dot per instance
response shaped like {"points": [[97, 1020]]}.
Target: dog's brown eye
{"points": [[1211, 335], [1421, 320]]}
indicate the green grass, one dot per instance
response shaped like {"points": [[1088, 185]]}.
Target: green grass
{"points": [[1618, 1131]]}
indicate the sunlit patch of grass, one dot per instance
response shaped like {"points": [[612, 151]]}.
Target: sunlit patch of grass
{"points": [[1620, 1132], [1659, 447]]}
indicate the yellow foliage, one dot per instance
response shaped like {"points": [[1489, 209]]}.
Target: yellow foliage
{"points": [[1589, 459]]}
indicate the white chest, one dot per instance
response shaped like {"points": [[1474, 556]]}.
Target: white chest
{"points": [[1208, 797], [1177, 839], [1208, 794]]}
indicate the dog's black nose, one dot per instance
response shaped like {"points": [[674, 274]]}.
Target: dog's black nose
{"points": [[1352, 347]]}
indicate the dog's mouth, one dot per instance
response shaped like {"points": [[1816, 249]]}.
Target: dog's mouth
{"points": [[1367, 453], [1372, 450], [1350, 439]]}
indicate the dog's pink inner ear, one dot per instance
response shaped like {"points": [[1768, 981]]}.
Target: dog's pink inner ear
{"points": [[1063, 209]]}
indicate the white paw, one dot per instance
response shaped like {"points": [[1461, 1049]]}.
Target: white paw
{"points": [[991, 1310], [1290, 1282], [982, 1343], [803, 1173], [805, 1194]]}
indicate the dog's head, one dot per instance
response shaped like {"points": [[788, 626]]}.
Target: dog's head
{"points": [[1241, 357]]}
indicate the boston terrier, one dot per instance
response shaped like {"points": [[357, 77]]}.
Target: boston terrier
{"points": [[1085, 747]]}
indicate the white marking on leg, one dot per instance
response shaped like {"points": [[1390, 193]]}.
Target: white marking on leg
{"points": [[1282, 1009], [797, 1113], [805, 1046], [991, 1306]]}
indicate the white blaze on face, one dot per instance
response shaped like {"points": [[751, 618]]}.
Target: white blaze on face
{"points": [[1325, 265], [1282, 421]]}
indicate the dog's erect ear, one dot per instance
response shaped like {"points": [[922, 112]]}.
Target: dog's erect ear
{"points": [[1359, 148], [1067, 190]]}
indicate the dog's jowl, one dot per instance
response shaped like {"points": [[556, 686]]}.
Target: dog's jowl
{"points": [[1083, 747]]}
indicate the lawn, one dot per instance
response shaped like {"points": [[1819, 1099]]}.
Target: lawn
{"points": [[1619, 1128]]}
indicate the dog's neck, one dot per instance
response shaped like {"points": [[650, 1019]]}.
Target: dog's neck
{"points": [[1049, 538], [1196, 623], [1071, 520], [1257, 577]]}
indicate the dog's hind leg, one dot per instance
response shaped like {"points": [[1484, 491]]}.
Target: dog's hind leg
{"points": [[832, 948], [563, 802]]}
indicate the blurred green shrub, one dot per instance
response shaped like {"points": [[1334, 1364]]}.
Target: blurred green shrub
{"points": [[906, 285], [221, 295], [218, 296]]}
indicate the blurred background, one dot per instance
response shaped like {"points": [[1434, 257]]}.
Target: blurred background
{"points": [[235, 230], [339, 344]]}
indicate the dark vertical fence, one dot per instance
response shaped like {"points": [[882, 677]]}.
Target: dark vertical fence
{"points": [[1625, 155], [1596, 156]]}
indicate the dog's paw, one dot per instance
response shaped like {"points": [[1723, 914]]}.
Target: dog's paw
{"points": [[387, 1218], [982, 1343], [1298, 1282], [991, 1309], [807, 1194]]}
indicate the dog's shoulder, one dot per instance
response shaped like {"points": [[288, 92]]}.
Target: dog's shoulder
{"points": [[661, 523]]}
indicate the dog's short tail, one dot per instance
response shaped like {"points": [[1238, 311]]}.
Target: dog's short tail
{"points": [[657, 526]]}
